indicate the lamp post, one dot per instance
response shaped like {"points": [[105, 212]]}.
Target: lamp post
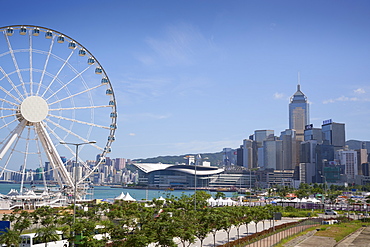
{"points": [[250, 187], [75, 180], [197, 160]]}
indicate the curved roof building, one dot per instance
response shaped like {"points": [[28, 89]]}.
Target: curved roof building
{"points": [[165, 175]]}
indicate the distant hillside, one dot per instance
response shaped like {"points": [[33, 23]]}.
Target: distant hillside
{"points": [[355, 144], [214, 158]]}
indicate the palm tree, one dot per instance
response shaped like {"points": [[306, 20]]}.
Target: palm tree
{"points": [[10, 237], [47, 234]]}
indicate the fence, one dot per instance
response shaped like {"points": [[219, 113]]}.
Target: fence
{"points": [[274, 234]]}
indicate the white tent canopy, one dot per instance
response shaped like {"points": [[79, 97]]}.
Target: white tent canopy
{"points": [[13, 192], [211, 202], [128, 197], [120, 197]]}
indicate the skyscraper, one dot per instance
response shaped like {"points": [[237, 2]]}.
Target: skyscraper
{"points": [[298, 113], [334, 133], [261, 135]]}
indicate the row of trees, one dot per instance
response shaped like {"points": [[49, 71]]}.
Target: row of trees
{"points": [[138, 224]]}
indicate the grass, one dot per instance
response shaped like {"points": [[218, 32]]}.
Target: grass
{"points": [[336, 231], [340, 231], [286, 240]]}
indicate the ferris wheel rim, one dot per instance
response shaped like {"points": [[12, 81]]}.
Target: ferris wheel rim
{"points": [[45, 29]]}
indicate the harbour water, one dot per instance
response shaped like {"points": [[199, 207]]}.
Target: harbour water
{"points": [[108, 193]]}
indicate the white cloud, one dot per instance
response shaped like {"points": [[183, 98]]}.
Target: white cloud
{"points": [[136, 90], [341, 99], [278, 95], [145, 116], [359, 91], [132, 134], [179, 44], [273, 26]]}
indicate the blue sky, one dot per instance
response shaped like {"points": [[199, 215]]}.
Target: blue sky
{"points": [[198, 76]]}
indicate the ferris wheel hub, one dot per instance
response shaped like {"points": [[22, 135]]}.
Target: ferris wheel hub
{"points": [[34, 109]]}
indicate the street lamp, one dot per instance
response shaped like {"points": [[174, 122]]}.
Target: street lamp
{"points": [[197, 161], [250, 187], [75, 180]]}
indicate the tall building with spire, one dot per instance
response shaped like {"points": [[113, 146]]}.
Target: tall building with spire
{"points": [[298, 113]]}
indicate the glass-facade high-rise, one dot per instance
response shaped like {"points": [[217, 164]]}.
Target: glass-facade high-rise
{"points": [[334, 133], [298, 113]]}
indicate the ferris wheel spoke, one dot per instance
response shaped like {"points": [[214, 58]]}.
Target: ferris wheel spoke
{"points": [[45, 65], [53, 155], [57, 74], [40, 160], [7, 109], [13, 86], [31, 61], [70, 132], [12, 137], [6, 125], [8, 102], [25, 157], [16, 65], [88, 174], [70, 149], [65, 85], [2, 117], [80, 108], [5, 167], [78, 121], [74, 95]]}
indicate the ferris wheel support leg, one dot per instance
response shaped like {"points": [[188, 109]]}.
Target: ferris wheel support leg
{"points": [[53, 156], [16, 133]]}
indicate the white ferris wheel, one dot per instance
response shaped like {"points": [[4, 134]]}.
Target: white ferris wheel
{"points": [[52, 90]]}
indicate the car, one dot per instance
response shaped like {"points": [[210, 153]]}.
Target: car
{"points": [[330, 212]]}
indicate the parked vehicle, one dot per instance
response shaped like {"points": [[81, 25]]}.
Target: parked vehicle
{"points": [[330, 212], [31, 240]]}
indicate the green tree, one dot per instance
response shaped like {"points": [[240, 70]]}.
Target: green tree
{"points": [[238, 214], [201, 198], [184, 224], [215, 222], [257, 215], [220, 194], [10, 237], [247, 216], [20, 219], [227, 221], [46, 216], [47, 234], [202, 226]]}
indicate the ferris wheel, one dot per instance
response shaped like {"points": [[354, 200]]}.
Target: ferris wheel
{"points": [[52, 91]]}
